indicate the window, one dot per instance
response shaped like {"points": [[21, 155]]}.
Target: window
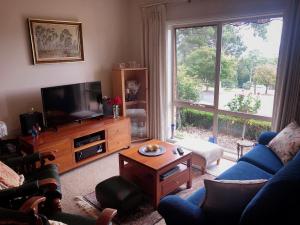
{"points": [[224, 79]]}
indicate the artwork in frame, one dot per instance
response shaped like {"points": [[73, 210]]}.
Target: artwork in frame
{"points": [[55, 41]]}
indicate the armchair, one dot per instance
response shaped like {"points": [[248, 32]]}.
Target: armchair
{"points": [[29, 213], [40, 179]]}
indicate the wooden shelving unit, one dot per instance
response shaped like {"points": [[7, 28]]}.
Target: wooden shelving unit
{"points": [[115, 135], [137, 109]]}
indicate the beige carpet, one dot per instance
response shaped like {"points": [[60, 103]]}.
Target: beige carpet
{"points": [[84, 179]]}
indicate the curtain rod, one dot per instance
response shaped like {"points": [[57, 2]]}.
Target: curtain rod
{"points": [[165, 2]]}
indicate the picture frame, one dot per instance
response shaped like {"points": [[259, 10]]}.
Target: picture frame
{"points": [[54, 41]]}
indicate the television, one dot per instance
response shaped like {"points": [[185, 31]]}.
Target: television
{"points": [[70, 103]]}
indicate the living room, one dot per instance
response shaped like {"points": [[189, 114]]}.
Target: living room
{"points": [[147, 42]]}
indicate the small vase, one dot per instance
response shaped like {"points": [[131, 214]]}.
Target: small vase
{"points": [[116, 110]]}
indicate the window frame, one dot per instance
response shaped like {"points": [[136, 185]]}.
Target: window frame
{"points": [[205, 107]]}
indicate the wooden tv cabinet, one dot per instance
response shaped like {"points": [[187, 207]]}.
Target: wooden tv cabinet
{"points": [[115, 135]]}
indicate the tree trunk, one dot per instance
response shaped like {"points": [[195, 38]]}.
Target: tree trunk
{"points": [[254, 88], [207, 88], [266, 92]]}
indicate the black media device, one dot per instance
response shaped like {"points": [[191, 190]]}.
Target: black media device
{"points": [[88, 152], [28, 120], [88, 139], [69, 103]]}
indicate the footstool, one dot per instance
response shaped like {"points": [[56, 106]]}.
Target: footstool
{"points": [[203, 152], [118, 193]]}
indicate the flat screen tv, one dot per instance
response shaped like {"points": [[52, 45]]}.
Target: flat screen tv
{"points": [[69, 103]]}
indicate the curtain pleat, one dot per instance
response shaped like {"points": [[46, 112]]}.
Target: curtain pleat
{"points": [[154, 53], [287, 95]]}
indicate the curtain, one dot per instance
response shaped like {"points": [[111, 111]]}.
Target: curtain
{"points": [[154, 58], [287, 95]]}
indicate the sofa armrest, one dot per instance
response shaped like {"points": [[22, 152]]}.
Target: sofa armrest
{"points": [[177, 211], [266, 137]]}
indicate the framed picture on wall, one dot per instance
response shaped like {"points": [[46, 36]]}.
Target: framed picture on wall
{"points": [[54, 41]]}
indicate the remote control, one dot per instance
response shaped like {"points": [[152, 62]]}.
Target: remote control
{"points": [[180, 151]]}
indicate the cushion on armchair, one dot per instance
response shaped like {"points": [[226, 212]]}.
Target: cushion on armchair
{"points": [[9, 178]]}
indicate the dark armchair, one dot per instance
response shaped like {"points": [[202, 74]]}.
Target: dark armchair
{"points": [[29, 213], [40, 179]]}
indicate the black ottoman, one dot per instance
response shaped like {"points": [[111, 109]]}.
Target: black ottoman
{"points": [[118, 193]]}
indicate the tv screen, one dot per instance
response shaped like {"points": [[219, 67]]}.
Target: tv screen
{"points": [[74, 102]]}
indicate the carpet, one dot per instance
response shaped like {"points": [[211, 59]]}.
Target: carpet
{"points": [[145, 213]]}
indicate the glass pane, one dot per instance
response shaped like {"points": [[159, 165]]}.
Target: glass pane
{"points": [[232, 129], [248, 66], [196, 59], [193, 123]]}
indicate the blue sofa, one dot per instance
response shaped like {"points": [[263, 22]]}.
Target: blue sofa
{"points": [[277, 202]]}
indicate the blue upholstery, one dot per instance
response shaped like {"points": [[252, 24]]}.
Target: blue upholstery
{"points": [[177, 211], [264, 158], [197, 197], [244, 171], [266, 137], [278, 200]]}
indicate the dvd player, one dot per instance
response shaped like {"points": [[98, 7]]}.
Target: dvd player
{"points": [[87, 139], [89, 152]]}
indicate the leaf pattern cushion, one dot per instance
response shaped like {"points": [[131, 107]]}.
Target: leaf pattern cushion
{"points": [[286, 144], [9, 178]]}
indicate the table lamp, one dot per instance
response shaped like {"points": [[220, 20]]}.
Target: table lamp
{"points": [[3, 129]]}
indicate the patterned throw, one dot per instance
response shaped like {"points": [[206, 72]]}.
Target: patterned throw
{"points": [[286, 144], [9, 178]]}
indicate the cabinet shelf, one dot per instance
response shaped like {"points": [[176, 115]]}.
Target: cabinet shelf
{"points": [[137, 110], [89, 145], [129, 103]]}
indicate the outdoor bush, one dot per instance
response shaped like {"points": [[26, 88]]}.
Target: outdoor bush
{"points": [[227, 124]]}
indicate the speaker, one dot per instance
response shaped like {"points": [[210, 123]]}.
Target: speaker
{"points": [[28, 120]]}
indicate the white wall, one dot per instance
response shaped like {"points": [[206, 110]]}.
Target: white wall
{"points": [[105, 41]]}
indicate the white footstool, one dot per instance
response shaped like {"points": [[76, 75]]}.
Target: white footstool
{"points": [[204, 152]]}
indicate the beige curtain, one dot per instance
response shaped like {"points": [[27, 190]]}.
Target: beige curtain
{"points": [[287, 96], [154, 53]]}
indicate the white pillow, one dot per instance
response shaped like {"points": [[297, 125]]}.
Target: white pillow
{"points": [[286, 144]]}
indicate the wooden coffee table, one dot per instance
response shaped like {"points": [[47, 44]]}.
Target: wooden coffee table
{"points": [[146, 171]]}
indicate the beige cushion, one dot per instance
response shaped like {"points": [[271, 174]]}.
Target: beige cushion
{"points": [[229, 196], [9, 178], [287, 143]]}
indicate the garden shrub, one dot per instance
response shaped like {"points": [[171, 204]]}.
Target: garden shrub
{"points": [[227, 124]]}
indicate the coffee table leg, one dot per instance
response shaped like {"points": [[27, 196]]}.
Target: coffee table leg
{"points": [[157, 192], [189, 166]]}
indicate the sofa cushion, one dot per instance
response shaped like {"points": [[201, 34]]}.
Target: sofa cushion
{"points": [[287, 143], [278, 201], [225, 200], [244, 171], [264, 158]]}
